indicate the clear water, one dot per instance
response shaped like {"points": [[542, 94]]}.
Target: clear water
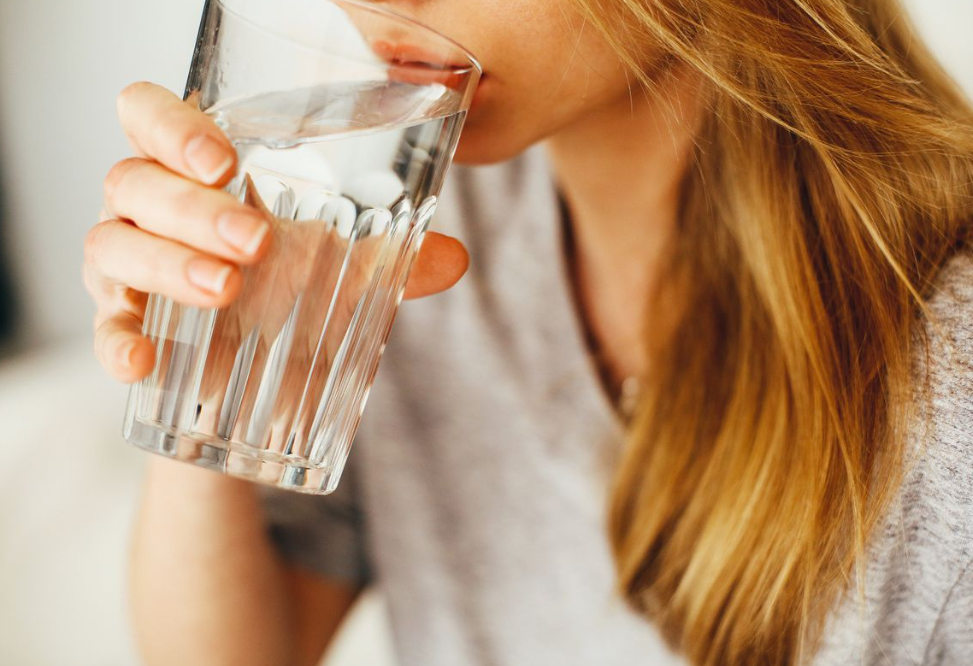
{"points": [[350, 175]]}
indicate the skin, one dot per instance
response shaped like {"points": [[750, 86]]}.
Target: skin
{"points": [[203, 573], [550, 78]]}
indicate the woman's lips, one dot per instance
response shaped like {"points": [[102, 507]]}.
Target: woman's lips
{"points": [[417, 55], [413, 64]]}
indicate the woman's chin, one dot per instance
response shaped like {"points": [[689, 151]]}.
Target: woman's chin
{"points": [[480, 145]]}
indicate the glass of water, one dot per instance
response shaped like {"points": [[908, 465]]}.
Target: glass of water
{"points": [[345, 118]]}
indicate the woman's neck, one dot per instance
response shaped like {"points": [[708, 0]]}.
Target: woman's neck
{"points": [[619, 171]]}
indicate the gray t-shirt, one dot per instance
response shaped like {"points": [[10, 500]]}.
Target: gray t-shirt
{"points": [[476, 491]]}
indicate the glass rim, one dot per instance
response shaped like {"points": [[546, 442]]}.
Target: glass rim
{"points": [[473, 63]]}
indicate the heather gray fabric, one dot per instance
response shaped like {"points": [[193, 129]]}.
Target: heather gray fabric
{"points": [[475, 494]]}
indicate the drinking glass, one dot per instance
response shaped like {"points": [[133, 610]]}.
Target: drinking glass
{"points": [[345, 117]]}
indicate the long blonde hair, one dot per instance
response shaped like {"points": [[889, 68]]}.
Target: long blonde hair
{"points": [[833, 177]]}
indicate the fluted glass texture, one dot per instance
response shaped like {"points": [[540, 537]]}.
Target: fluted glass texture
{"points": [[343, 135]]}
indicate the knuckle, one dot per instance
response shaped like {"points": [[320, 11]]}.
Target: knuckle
{"points": [[102, 326], [155, 265], [189, 202], [94, 242], [116, 175]]}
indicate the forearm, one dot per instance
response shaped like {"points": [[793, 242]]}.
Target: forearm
{"points": [[207, 586]]}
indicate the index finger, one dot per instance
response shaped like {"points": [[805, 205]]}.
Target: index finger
{"points": [[162, 127]]}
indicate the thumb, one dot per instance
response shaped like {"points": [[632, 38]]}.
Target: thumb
{"points": [[441, 263]]}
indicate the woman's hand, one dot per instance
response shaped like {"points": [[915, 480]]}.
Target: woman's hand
{"points": [[168, 228]]}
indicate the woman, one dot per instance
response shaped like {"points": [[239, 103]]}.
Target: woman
{"points": [[712, 358]]}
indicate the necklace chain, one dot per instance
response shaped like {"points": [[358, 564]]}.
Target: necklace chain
{"points": [[625, 399], [628, 396], [624, 395]]}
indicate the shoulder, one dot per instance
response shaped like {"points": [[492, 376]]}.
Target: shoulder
{"points": [[917, 569], [929, 537], [950, 318], [952, 636], [943, 435], [938, 488]]}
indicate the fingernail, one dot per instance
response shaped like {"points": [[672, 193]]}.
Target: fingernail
{"points": [[123, 353], [244, 231], [208, 158], [209, 275]]}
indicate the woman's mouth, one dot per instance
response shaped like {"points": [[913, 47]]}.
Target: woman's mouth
{"points": [[413, 64]]}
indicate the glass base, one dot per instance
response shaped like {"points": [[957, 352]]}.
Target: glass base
{"points": [[234, 459]]}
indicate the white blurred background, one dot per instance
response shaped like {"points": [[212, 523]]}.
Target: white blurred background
{"points": [[67, 481]]}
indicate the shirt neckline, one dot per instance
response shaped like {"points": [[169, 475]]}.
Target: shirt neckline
{"points": [[583, 363]]}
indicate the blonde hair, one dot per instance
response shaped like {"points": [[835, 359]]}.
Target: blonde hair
{"points": [[833, 177]]}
